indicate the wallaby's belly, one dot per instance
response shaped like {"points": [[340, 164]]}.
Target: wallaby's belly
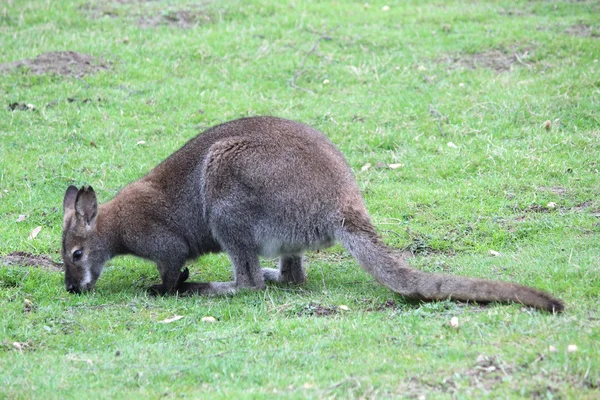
{"points": [[273, 247]]}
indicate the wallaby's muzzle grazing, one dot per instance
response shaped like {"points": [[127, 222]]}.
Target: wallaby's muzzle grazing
{"points": [[251, 187]]}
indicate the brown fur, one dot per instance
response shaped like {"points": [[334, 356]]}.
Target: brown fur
{"points": [[250, 187]]}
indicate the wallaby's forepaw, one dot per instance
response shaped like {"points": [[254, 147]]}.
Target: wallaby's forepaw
{"points": [[185, 274], [161, 289], [157, 290]]}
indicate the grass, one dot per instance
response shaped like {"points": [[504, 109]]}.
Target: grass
{"points": [[457, 93]]}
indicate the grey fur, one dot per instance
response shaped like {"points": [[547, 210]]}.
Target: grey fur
{"points": [[250, 187]]}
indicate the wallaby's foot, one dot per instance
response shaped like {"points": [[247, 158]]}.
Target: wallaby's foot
{"points": [[290, 270], [206, 288], [214, 288], [161, 289], [275, 275], [271, 275]]}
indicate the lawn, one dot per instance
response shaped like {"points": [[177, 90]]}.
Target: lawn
{"points": [[473, 129]]}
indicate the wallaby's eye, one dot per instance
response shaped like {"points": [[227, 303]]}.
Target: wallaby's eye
{"points": [[77, 255]]}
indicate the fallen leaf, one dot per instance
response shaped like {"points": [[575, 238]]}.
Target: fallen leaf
{"points": [[169, 320], [454, 322], [396, 166], [21, 218], [365, 167], [209, 319], [35, 232], [71, 357], [494, 253], [28, 305]]}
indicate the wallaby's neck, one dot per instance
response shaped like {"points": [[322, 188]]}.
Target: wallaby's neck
{"points": [[108, 226]]}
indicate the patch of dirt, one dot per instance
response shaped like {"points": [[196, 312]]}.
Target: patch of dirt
{"points": [[66, 63], [514, 12], [148, 16], [536, 208], [583, 30], [184, 19], [420, 246], [388, 304], [581, 207], [97, 12], [489, 364], [552, 189], [314, 309], [30, 260], [21, 107], [497, 60], [489, 372]]}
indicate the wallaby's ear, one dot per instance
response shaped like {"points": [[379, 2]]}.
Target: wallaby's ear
{"points": [[69, 199], [86, 205]]}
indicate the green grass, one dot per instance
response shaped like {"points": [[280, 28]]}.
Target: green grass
{"points": [[371, 80]]}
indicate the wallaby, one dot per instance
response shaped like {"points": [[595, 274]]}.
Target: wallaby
{"points": [[250, 187]]}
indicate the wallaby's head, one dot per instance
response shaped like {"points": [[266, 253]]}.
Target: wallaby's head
{"points": [[83, 249]]}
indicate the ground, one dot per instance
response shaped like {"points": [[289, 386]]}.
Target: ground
{"points": [[472, 129]]}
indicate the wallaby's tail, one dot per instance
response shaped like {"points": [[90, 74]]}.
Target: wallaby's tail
{"points": [[376, 258]]}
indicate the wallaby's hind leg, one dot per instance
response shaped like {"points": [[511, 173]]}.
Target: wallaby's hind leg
{"points": [[291, 270], [246, 271]]}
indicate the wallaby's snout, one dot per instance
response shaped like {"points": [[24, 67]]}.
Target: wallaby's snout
{"points": [[73, 288], [77, 280], [77, 288]]}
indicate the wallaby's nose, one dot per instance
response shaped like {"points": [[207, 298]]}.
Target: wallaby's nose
{"points": [[72, 288]]}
